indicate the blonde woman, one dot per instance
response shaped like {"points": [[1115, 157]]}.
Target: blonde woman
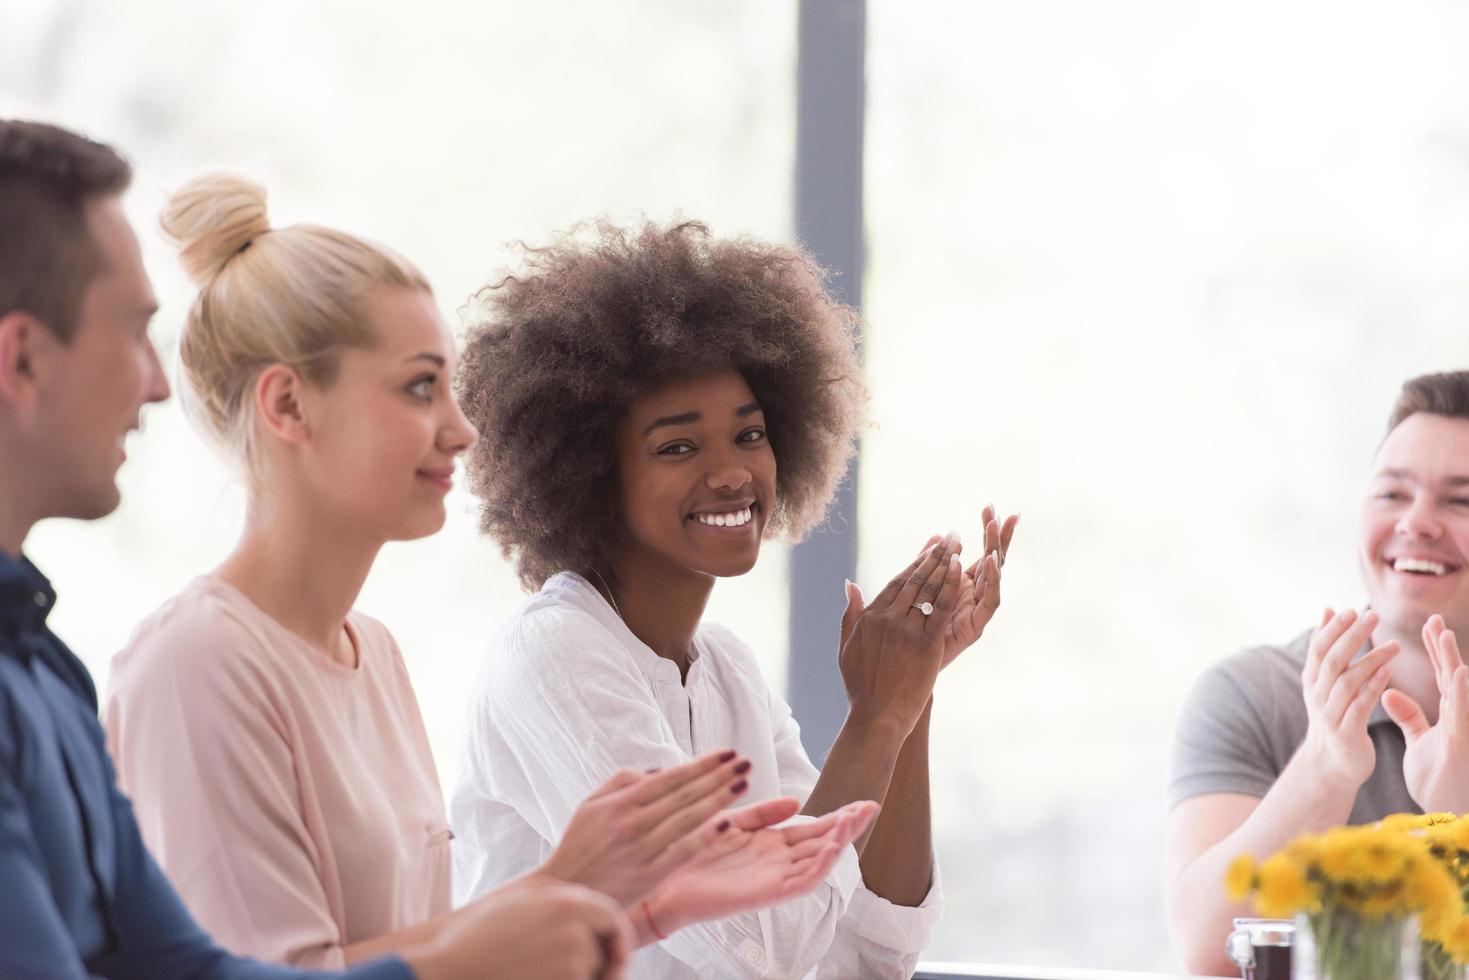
{"points": [[266, 730]]}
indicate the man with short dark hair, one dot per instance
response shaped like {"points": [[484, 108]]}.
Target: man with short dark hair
{"points": [[79, 894], [1351, 721]]}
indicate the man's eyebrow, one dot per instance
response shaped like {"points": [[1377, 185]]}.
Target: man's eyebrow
{"points": [[749, 409], [1393, 473], [683, 419], [426, 356]]}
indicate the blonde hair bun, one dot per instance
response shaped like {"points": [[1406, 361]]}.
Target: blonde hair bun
{"points": [[212, 219]]}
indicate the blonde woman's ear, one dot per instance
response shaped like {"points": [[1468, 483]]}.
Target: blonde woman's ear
{"points": [[278, 403]]}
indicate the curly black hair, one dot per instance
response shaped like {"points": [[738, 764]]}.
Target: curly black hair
{"points": [[555, 354]]}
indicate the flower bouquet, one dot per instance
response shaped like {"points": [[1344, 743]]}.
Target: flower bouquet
{"points": [[1362, 896], [1445, 941]]}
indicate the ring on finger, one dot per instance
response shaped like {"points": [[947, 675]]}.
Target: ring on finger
{"points": [[924, 607]]}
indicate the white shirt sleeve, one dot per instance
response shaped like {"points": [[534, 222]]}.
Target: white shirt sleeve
{"points": [[562, 707]]}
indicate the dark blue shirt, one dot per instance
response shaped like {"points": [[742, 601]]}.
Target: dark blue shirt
{"points": [[79, 894]]}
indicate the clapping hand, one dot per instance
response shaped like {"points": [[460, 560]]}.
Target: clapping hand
{"points": [[1340, 695], [638, 828], [753, 865], [891, 649], [979, 587], [538, 929], [1436, 764]]}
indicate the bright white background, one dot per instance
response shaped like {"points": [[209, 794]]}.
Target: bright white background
{"points": [[1149, 272]]}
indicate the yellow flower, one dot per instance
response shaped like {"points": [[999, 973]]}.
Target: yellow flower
{"points": [[1364, 855], [1432, 890], [1382, 860], [1283, 889], [1455, 940], [1409, 821], [1240, 878]]}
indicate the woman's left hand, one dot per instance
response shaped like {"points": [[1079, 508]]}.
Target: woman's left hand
{"points": [[979, 589], [753, 865]]}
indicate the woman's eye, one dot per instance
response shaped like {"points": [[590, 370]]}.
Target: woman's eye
{"points": [[1390, 495], [1459, 501], [675, 449], [751, 435], [422, 388]]}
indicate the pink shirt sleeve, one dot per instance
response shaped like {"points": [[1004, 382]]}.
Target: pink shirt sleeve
{"points": [[202, 746]]}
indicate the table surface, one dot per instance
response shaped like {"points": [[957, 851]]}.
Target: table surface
{"points": [[999, 971]]}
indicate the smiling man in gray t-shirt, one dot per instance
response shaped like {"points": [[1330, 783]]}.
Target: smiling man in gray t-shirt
{"points": [[1342, 724]]}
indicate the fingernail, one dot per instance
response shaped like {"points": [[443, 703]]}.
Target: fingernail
{"points": [[723, 826], [651, 771], [739, 787], [726, 756], [742, 768]]}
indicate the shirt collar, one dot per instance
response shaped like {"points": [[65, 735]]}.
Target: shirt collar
{"points": [[26, 596]]}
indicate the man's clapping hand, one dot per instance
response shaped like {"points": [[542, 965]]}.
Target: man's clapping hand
{"points": [[1436, 764]]}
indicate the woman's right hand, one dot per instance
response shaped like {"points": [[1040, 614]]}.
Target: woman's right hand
{"points": [[1340, 695], [541, 930], [638, 828], [891, 652]]}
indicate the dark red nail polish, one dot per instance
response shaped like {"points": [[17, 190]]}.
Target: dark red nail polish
{"points": [[742, 768], [739, 787], [726, 756], [723, 826]]}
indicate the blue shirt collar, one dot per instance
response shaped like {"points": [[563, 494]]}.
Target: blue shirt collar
{"points": [[26, 596], [26, 599]]}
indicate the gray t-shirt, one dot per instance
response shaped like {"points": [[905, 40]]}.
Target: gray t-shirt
{"points": [[1246, 717]]}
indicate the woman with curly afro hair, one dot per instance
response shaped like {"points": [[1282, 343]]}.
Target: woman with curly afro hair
{"points": [[654, 403]]}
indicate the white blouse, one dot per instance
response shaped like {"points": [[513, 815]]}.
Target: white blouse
{"points": [[568, 695]]}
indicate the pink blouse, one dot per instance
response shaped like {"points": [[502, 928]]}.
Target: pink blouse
{"points": [[291, 799]]}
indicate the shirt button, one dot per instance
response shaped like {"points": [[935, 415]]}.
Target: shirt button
{"points": [[752, 954], [40, 598]]}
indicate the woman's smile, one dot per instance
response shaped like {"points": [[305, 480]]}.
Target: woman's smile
{"points": [[733, 519], [441, 478]]}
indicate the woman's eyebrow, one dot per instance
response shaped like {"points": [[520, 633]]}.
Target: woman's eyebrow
{"points": [[684, 419], [687, 418], [434, 358]]}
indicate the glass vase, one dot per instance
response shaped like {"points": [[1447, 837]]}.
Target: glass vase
{"points": [[1435, 964], [1335, 944]]}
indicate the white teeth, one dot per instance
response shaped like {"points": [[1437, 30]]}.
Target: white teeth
{"points": [[737, 518], [1419, 565]]}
